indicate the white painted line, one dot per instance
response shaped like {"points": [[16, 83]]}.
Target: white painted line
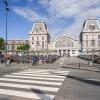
{"points": [[41, 78], [44, 73], [24, 94], [47, 75], [31, 81], [43, 88], [35, 71]]}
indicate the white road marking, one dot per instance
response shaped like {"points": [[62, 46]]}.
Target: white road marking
{"points": [[44, 73], [52, 79], [26, 94], [30, 76], [43, 88], [34, 71], [31, 81], [47, 75]]}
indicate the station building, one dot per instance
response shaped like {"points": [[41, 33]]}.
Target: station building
{"points": [[90, 36], [65, 46], [39, 39]]}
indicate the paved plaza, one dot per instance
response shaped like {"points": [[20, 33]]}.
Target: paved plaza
{"points": [[62, 80]]}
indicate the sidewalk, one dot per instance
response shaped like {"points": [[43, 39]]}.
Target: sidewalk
{"points": [[21, 66], [13, 67]]}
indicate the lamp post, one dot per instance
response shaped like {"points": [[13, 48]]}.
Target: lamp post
{"points": [[6, 10]]}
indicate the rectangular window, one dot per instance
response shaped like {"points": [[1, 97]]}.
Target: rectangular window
{"points": [[86, 36], [37, 42], [98, 43], [55, 50], [42, 37], [60, 50], [99, 36], [92, 43], [64, 50], [42, 44], [32, 40], [86, 43], [37, 38]]}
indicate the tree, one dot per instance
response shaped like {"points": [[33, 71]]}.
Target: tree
{"points": [[23, 47], [2, 44]]}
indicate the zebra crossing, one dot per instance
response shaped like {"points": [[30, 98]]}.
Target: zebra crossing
{"points": [[32, 84]]}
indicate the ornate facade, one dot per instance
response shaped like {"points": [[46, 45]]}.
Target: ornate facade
{"points": [[39, 37], [90, 36], [65, 46], [39, 40]]}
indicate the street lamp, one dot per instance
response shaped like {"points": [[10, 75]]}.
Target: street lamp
{"points": [[6, 10]]}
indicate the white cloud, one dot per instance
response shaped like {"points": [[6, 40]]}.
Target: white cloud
{"points": [[28, 13], [76, 27], [78, 9], [43, 2]]}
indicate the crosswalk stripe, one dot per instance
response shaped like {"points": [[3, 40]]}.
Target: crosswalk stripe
{"points": [[43, 88], [27, 94], [45, 72], [47, 75], [31, 81], [43, 82], [35, 71], [40, 78]]}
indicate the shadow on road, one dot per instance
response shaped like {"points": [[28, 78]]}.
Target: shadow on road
{"points": [[92, 82], [82, 66], [41, 94]]}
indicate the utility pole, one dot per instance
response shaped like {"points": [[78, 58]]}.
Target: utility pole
{"points": [[6, 10]]}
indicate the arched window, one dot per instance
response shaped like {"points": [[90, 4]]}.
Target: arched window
{"points": [[64, 43]]}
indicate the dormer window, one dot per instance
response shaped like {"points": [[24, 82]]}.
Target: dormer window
{"points": [[92, 27]]}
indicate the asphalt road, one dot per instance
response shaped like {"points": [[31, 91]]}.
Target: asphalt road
{"points": [[80, 84], [62, 80]]}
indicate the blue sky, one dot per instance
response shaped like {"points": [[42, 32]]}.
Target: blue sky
{"points": [[63, 17]]}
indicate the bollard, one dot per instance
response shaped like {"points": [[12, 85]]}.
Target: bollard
{"points": [[79, 65]]}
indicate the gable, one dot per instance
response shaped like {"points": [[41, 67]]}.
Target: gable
{"points": [[39, 28], [91, 25]]}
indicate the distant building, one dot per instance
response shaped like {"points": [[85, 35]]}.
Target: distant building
{"points": [[39, 40], [65, 46], [90, 36], [39, 37], [13, 44]]}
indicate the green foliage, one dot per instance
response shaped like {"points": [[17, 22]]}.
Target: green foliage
{"points": [[2, 44], [23, 47]]}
